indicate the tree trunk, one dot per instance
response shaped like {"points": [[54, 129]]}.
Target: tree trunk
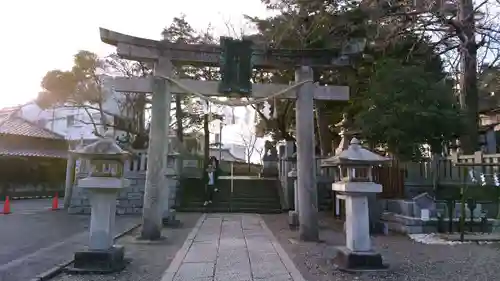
{"points": [[325, 137], [468, 79], [178, 117], [206, 145]]}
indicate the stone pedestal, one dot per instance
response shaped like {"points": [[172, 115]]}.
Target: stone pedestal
{"points": [[101, 256], [99, 261]]}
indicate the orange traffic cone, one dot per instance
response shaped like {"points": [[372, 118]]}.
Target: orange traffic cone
{"points": [[55, 202], [6, 206]]}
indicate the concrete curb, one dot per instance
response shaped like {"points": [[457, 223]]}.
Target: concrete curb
{"points": [[56, 270]]}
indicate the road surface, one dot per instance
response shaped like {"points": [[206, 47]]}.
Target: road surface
{"points": [[33, 239]]}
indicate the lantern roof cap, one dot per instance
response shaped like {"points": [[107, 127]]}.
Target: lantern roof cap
{"points": [[104, 148], [355, 154]]}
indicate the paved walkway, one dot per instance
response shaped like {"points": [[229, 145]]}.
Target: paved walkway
{"points": [[231, 247]]}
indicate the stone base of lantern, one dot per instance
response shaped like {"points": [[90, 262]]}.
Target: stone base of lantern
{"points": [[99, 261], [170, 220], [350, 261], [293, 220]]}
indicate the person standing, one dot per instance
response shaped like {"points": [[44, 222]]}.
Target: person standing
{"points": [[210, 185], [215, 164]]}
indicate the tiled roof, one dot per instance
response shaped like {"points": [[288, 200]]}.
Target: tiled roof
{"points": [[13, 125], [51, 153]]}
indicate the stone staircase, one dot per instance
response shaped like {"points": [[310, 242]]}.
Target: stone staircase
{"points": [[248, 195]]}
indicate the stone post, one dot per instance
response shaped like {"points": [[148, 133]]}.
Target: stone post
{"points": [[171, 178], [287, 167], [152, 212], [304, 114], [68, 185], [293, 215]]}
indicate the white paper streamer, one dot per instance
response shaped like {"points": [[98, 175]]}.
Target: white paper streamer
{"points": [[483, 179], [496, 181], [471, 176]]}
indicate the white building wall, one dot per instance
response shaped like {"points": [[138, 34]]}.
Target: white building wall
{"points": [[59, 119], [239, 128]]}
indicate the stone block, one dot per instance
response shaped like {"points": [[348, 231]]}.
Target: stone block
{"points": [[120, 211], [293, 219], [137, 210], [201, 252], [75, 210], [232, 274], [87, 210], [136, 202], [76, 202], [102, 261], [266, 270], [195, 271], [124, 204], [134, 196], [350, 261]]}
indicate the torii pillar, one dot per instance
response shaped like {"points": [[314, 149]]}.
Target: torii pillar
{"points": [[154, 51]]}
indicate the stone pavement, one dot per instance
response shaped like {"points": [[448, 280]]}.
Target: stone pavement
{"points": [[231, 247]]}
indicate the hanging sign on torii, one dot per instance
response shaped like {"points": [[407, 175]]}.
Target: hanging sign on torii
{"points": [[166, 54]]}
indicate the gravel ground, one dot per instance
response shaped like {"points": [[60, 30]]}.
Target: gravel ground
{"points": [[408, 260], [149, 261]]}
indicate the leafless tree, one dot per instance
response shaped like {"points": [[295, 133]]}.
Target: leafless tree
{"points": [[249, 140]]}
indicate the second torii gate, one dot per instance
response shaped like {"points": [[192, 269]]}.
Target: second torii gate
{"points": [[165, 54]]}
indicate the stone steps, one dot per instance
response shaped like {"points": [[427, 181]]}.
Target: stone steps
{"points": [[250, 195]]}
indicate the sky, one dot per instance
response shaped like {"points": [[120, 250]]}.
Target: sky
{"points": [[39, 36]]}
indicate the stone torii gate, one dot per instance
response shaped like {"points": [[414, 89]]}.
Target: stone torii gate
{"points": [[164, 55]]}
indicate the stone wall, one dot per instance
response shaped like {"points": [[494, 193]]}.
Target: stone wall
{"points": [[129, 200]]}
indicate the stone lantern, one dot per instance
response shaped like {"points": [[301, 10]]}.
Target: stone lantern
{"points": [[355, 164], [104, 182]]}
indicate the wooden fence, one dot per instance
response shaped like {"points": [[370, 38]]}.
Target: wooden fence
{"points": [[392, 179]]}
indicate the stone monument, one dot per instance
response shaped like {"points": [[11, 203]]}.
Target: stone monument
{"points": [[104, 182], [355, 164]]}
